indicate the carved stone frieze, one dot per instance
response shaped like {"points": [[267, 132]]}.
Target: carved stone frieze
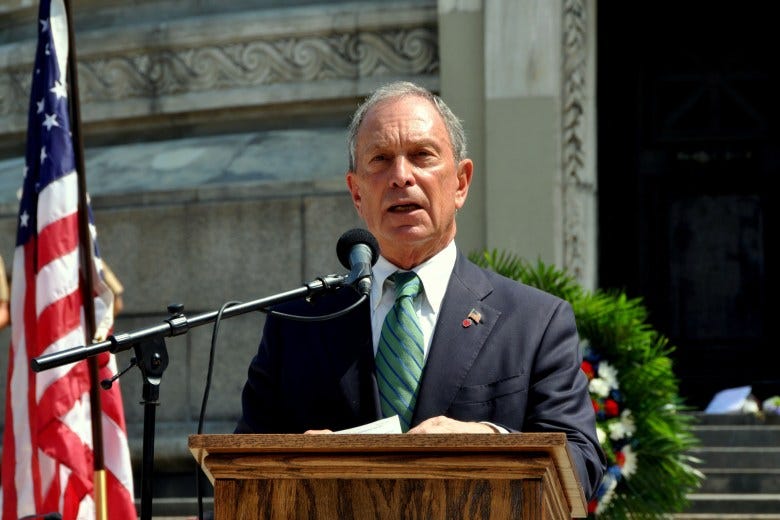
{"points": [[127, 74], [261, 62]]}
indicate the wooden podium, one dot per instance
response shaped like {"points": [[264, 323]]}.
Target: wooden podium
{"points": [[366, 476]]}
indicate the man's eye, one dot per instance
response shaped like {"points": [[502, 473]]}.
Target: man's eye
{"points": [[378, 158]]}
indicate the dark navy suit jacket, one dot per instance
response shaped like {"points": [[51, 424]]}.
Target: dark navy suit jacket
{"points": [[519, 367]]}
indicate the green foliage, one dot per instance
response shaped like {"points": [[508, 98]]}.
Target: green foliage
{"points": [[616, 328]]}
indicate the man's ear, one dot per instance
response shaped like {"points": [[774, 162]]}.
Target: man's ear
{"points": [[464, 173], [354, 191]]}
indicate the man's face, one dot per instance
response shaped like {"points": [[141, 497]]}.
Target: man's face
{"points": [[406, 185]]}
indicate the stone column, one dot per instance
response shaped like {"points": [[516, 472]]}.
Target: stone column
{"points": [[461, 51], [520, 73]]}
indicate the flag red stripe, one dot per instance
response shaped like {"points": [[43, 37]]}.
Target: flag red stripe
{"points": [[122, 503], [58, 319], [74, 492], [64, 445], [57, 239], [62, 395], [113, 405], [9, 447], [50, 501]]}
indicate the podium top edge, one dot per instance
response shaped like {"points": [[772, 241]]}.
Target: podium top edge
{"points": [[215, 443]]}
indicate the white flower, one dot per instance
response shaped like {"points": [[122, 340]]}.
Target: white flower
{"points": [[598, 387], [623, 428], [630, 461], [601, 434], [628, 422], [604, 502], [611, 483], [608, 373], [617, 430]]}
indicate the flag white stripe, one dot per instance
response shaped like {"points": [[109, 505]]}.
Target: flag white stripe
{"points": [[78, 419], [18, 289], [57, 200], [56, 280], [20, 384], [22, 438], [87, 508], [47, 467], [115, 442], [58, 24], [48, 377]]}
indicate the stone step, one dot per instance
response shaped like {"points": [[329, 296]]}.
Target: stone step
{"points": [[721, 516], [734, 503], [709, 419], [741, 481], [736, 457], [176, 507], [738, 435]]}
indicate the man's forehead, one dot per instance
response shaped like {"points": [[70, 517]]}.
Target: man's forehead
{"points": [[409, 119], [410, 101]]}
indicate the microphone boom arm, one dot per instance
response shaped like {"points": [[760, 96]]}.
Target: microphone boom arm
{"points": [[179, 324]]}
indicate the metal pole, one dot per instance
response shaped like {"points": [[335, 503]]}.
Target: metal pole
{"points": [[87, 287]]}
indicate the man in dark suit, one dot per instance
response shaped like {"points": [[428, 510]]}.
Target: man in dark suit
{"points": [[494, 355]]}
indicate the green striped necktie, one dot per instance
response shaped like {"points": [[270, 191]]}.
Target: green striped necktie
{"points": [[400, 355]]}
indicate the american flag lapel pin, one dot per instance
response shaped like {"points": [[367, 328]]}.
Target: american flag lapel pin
{"points": [[473, 317]]}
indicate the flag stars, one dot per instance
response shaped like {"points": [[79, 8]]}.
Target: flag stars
{"points": [[43, 154], [59, 90], [24, 218], [44, 25], [46, 50], [50, 121], [40, 105]]}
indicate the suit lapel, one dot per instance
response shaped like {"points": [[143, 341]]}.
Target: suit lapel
{"points": [[456, 343]]}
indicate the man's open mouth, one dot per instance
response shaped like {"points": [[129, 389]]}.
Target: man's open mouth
{"points": [[401, 208]]}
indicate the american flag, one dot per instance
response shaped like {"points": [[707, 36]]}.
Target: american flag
{"points": [[47, 446]]}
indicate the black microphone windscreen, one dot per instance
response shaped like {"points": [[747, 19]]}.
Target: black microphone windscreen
{"points": [[353, 237]]}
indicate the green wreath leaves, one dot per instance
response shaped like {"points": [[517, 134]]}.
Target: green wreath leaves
{"points": [[615, 331]]}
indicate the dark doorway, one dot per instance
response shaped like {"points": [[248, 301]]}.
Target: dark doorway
{"points": [[688, 148]]}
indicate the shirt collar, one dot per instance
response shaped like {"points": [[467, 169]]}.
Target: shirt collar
{"points": [[434, 274]]}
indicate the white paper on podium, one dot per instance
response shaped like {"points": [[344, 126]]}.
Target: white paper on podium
{"points": [[730, 400], [387, 425]]}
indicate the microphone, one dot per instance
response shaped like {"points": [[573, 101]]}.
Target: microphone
{"points": [[358, 250]]}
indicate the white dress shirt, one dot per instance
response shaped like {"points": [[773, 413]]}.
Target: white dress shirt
{"points": [[434, 275]]}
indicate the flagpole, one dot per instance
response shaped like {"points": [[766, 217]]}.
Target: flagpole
{"points": [[87, 288]]}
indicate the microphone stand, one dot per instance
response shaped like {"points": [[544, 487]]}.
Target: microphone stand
{"points": [[151, 357]]}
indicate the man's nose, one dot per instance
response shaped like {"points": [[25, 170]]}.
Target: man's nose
{"points": [[401, 172]]}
